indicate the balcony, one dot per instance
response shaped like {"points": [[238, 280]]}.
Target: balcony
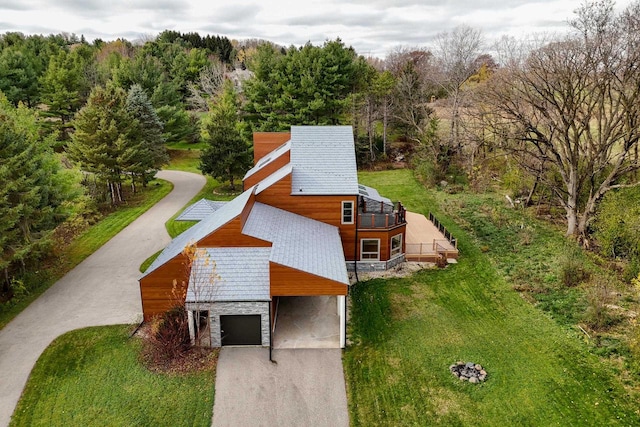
{"points": [[380, 215]]}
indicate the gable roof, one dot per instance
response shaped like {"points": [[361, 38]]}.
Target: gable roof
{"points": [[202, 229], [200, 210], [299, 242], [323, 160], [230, 274]]}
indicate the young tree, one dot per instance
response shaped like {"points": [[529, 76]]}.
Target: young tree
{"points": [[573, 106], [227, 155]]}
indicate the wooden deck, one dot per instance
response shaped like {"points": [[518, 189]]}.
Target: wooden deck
{"points": [[424, 242]]}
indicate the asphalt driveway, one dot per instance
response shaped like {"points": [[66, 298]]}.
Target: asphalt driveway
{"points": [[102, 290], [305, 388]]}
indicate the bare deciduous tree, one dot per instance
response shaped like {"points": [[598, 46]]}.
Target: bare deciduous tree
{"points": [[457, 55], [207, 87], [573, 106]]}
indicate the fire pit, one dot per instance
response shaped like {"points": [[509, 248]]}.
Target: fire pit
{"points": [[472, 372]]}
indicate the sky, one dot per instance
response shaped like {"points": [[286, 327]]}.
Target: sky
{"points": [[372, 27]]}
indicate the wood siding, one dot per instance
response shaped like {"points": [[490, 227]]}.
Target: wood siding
{"points": [[266, 142], [385, 240], [267, 170], [327, 209], [157, 288], [287, 281]]}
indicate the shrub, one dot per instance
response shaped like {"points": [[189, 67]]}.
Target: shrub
{"points": [[599, 315], [572, 271], [168, 337]]}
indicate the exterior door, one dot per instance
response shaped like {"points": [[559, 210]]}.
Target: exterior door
{"points": [[241, 329]]}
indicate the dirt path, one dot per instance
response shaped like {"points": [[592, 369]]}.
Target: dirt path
{"points": [[102, 290]]}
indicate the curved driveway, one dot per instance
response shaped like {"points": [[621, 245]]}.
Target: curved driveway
{"points": [[102, 290]]}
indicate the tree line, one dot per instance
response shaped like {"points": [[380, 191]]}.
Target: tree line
{"points": [[555, 119]]}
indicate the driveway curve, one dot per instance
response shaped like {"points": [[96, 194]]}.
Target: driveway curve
{"points": [[102, 290]]}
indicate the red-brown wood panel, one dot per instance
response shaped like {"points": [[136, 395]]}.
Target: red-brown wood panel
{"points": [[287, 281], [164, 288], [327, 209], [267, 170], [385, 240], [266, 142]]}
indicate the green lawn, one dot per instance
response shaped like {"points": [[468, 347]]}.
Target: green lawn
{"points": [[186, 159], [406, 333], [87, 243], [92, 377]]}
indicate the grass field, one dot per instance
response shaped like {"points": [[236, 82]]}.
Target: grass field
{"points": [[87, 243], [92, 377], [406, 332]]}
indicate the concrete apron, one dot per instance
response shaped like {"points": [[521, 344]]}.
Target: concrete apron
{"points": [[304, 388], [307, 322]]}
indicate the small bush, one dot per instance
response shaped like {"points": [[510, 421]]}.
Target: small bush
{"points": [[599, 315], [572, 271], [632, 270], [168, 337]]}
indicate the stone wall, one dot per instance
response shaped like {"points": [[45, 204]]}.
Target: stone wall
{"points": [[368, 266], [218, 309]]}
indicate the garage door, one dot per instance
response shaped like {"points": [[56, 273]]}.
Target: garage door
{"points": [[241, 329]]}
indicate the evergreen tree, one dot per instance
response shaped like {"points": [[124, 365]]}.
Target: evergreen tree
{"points": [[33, 190], [227, 155], [153, 154], [18, 75], [63, 84], [105, 141], [311, 85]]}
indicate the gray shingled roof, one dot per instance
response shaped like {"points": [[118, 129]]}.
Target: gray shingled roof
{"points": [[298, 242], [269, 158], [373, 194], [202, 229], [230, 274], [323, 160], [200, 210]]}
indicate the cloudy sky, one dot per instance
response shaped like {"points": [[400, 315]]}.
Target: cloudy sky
{"points": [[372, 27]]}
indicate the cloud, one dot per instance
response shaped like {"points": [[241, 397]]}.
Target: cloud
{"points": [[15, 5], [370, 26]]}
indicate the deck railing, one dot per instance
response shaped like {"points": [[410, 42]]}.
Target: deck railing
{"points": [[450, 238], [440, 247], [382, 220]]}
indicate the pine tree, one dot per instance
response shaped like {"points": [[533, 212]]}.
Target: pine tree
{"points": [[227, 155], [152, 154], [105, 142], [32, 192]]}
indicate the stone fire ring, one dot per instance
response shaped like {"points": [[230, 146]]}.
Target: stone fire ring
{"points": [[472, 372]]}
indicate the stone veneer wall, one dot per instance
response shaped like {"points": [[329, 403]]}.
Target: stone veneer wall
{"points": [[367, 266], [218, 309]]}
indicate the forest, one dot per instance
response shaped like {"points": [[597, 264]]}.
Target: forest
{"points": [[551, 123]]}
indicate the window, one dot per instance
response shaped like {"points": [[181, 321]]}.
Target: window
{"points": [[347, 212], [370, 249], [396, 245]]}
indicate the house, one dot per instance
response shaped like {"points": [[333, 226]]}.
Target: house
{"points": [[301, 222]]}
